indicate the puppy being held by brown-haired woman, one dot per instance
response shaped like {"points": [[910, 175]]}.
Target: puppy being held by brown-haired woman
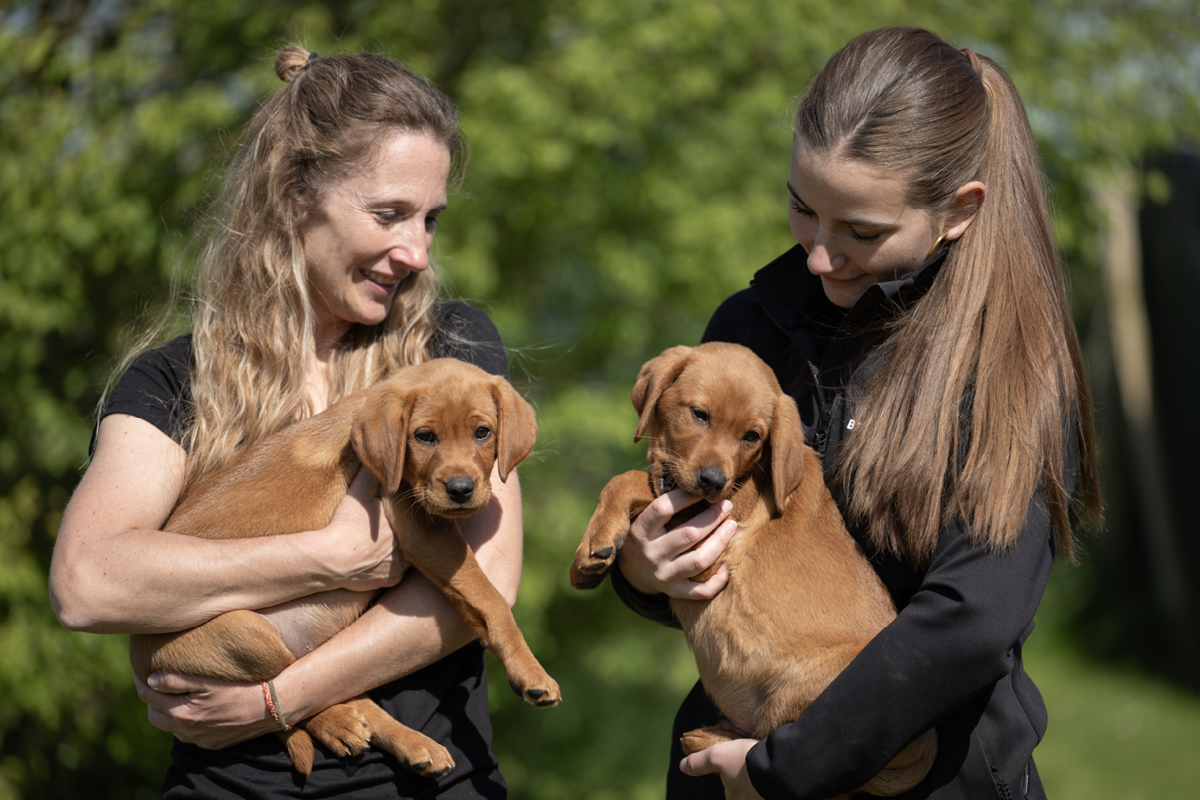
{"points": [[801, 600]]}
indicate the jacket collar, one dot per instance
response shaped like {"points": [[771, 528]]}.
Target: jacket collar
{"points": [[791, 295]]}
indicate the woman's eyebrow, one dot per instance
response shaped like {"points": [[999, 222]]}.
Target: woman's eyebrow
{"points": [[856, 223], [795, 196]]}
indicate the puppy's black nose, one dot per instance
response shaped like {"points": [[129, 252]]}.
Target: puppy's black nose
{"points": [[710, 479], [460, 489]]}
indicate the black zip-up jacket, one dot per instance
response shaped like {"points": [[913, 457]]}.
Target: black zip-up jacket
{"points": [[952, 657]]}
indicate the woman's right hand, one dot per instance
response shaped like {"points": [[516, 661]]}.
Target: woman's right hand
{"points": [[656, 560], [365, 538]]}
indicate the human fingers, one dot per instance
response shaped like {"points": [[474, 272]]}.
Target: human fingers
{"points": [[214, 714], [685, 536], [365, 537], [727, 759], [174, 683], [650, 524], [698, 764], [658, 560], [684, 557], [161, 704], [698, 574]]}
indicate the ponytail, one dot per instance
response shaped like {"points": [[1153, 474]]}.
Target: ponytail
{"points": [[982, 377]]}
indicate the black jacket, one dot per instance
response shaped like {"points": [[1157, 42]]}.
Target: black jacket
{"points": [[952, 658]]}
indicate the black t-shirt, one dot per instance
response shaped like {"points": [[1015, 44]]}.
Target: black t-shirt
{"points": [[446, 701]]}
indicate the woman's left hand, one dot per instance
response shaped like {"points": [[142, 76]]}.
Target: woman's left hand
{"points": [[206, 712], [727, 759]]}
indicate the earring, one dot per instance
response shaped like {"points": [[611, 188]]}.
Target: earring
{"points": [[935, 246]]}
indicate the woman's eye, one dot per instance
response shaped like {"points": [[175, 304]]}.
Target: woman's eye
{"points": [[799, 209], [862, 237], [700, 414], [482, 433], [431, 222], [425, 437]]}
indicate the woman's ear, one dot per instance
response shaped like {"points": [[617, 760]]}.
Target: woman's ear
{"points": [[963, 209]]}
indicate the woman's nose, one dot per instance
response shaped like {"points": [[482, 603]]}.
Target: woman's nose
{"points": [[412, 247], [822, 260]]}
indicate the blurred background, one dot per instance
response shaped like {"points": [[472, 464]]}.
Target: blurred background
{"points": [[628, 169]]}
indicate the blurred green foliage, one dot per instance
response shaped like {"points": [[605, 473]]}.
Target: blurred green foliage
{"points": [[628, 166]]}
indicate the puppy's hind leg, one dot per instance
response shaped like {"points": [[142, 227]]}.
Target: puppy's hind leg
{"points": [[704, 738], [625, 496], [348, 728], [413, 749]]}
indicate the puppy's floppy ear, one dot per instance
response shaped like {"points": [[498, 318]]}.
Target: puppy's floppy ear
{"points": [[787, 449], [656, 375], [516, 427], [380, 434]]}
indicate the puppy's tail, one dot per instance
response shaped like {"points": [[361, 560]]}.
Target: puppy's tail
{"points": [[300, 749], [907, 769]]}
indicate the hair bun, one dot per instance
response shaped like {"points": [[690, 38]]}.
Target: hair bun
{"points": [[291, 62]]}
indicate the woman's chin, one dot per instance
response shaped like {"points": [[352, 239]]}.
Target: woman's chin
{"points": [[843, 294]]}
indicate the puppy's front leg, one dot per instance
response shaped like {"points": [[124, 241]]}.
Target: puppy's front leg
{"points": [[437, 548], [625, 496]]}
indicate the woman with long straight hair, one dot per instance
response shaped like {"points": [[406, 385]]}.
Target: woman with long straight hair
{"points": [[315, 281], [922, 326]]}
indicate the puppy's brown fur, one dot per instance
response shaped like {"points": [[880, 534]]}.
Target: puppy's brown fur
{"points": [[802, 600], [430, 434]]}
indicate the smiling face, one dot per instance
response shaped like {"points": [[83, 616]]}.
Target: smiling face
{"points": [[372, 229], [856, 224]]}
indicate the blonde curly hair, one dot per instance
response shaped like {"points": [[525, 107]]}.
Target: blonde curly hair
{"points": [[251, 313]]}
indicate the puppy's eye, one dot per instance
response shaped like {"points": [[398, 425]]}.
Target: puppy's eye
{"points": [[700, 414], [751, 437], [482, 433], [425, 437]]}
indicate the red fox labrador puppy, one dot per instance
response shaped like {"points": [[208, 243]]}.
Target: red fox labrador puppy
{"points": [[802, 600], [430, 434]]}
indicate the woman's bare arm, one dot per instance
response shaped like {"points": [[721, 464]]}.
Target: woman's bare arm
{"points": [[113, 571], [412, 626]]}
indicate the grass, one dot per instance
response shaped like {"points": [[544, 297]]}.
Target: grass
{"points": [[1113, 734]]}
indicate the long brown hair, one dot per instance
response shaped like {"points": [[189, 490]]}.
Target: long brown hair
{"points": [[982, 377], [251, 314]]}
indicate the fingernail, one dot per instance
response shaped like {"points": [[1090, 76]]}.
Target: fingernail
{"points": [[154, 681], [726, 506]]}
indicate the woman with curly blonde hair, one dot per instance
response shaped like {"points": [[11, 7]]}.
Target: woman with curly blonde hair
{"points": [[315, 281]]}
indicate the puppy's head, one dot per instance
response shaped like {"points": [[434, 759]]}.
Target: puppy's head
{"points": [[711, 413], [439, 427]]}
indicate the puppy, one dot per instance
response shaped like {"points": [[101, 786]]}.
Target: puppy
{"points": [[430, 434], [802, 600]]}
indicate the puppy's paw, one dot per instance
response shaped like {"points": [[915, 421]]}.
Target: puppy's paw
{"points": [[430, 761], [543, 693], [590, 569], [595, 558], [342, 729], [704, 738], [414, 750]]}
